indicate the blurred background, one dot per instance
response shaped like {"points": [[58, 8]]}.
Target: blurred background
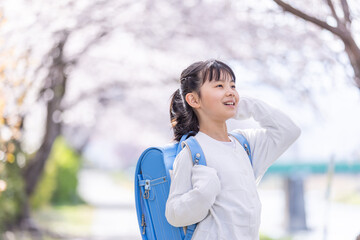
{"points": [[85, 88]]}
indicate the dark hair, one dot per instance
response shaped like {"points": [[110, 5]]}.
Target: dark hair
{"points": [[182, 116]]}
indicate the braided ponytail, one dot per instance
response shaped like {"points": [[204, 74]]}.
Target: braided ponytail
{"points": [[182, 116]]}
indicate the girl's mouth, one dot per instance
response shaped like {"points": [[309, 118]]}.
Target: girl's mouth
{"points": [[230, 103]]}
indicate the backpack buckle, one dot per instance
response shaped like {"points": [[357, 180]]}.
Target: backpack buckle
{"points": [[197, 158], [246, 149], [147, 189]]}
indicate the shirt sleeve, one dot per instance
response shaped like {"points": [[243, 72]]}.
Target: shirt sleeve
{"points": [[276, 134], [193, 191]]}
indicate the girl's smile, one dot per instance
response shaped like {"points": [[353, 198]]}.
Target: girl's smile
{"points": [[230, 103]]}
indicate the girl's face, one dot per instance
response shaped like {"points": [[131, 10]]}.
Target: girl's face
{"points": [[218, 99]]}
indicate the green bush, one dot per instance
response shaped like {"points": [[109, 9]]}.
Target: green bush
{"points": [[58, 184], [68, 166], [13, 197], [46, 186]]}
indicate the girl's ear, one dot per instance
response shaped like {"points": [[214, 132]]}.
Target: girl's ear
{"points": [[193, 100]]}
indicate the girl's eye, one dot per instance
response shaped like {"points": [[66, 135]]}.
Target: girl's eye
{"points": [[219, 85], [233, 86]]}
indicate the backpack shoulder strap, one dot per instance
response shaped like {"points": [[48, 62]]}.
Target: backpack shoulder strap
{"points": [[198, 157], [243, 141], [196, 152]]}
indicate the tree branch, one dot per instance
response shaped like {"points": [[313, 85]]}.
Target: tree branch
{"points": [[288, 8], [96, 92], [89, 45], [346, 11], [333, 12]]}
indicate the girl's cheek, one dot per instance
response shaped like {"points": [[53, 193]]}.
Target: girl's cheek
{"points": [[236, 96]]}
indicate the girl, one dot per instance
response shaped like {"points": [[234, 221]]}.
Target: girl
{"points": [[221, 196]]}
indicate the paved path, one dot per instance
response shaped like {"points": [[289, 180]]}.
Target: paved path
{"points": [[114, 214]]}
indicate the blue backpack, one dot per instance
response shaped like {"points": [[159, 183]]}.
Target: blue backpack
{"points": [[152, 186]]}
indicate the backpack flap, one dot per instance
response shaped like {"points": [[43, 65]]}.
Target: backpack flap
{"points": [[142, 207], [152, 185]]}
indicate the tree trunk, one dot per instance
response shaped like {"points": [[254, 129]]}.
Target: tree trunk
{"points": [[55, 84], [36, 165]]}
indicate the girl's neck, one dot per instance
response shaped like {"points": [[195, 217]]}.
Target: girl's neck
{"points": [[216, 131]]}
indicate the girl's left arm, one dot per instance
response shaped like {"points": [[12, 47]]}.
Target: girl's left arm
{"points": [[277, 132]]}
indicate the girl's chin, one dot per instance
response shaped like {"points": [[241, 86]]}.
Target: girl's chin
{"points": [[230, 116]]}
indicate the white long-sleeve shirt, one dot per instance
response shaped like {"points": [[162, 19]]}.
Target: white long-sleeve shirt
{"points": [[222, 196]]}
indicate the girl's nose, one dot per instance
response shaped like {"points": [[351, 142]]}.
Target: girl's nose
{"points": [[230, 92]]}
